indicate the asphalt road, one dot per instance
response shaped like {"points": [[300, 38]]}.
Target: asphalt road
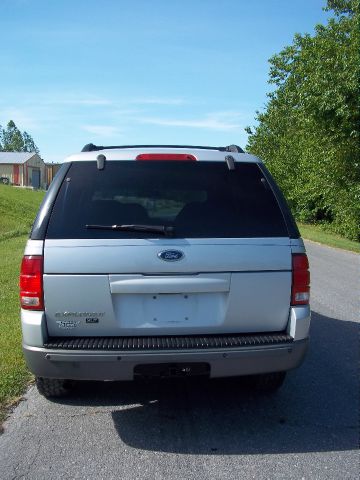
{"points": [[211, 430]]}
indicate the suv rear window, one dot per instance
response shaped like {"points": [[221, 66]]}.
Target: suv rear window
{"points": [[198, 199]]}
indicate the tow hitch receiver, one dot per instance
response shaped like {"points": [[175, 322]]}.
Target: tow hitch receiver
{"points": [[171, 370]]}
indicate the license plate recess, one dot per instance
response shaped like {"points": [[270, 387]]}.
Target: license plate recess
{"points": [[172, 370]]}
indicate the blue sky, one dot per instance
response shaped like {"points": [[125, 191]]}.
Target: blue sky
{"points": [[157, 71]]}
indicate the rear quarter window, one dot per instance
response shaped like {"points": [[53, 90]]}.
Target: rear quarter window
{"points": [[198, 199]]}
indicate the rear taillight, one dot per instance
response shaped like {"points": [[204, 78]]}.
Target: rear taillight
{"points": [[31, 283], [300, 291], [166, 156]]}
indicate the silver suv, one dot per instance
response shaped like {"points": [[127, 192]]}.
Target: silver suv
{"points": [[163, 261]]}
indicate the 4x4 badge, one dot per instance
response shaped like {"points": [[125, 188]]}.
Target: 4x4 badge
{"points": [[171, 255], [68, 324]]}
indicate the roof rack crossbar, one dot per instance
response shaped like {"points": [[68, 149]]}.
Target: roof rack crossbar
{"points": [[90, 147]]}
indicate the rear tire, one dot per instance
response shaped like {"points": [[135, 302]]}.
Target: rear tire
{"points": [[52, 387], [268, 382]]}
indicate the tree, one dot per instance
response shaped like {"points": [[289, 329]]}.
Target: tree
{"points": [[309, 132], [12, 140], [29, 144]]}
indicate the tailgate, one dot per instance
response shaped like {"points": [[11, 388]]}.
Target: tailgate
{"points": [[121, 287]]}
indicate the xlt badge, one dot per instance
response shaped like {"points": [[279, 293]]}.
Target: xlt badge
{"points": [[92, 320]]}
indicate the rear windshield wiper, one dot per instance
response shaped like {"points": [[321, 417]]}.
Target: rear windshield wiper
{"points": [[162, 229]]}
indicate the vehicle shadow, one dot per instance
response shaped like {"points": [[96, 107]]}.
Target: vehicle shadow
{"points": [[316, 409]]}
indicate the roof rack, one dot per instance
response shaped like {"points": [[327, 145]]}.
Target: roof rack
{"points": [[90, 147]]}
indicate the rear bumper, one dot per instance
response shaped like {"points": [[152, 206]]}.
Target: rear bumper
{"points": [[119, 365]]}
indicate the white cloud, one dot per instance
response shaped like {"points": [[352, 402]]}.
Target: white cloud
{"points": [[90, 102], [82, 99], [102, 130], [22, 119], [210, 122], [157, 101]]}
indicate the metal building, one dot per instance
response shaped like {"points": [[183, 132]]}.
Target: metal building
{"points": [[25, 169]]}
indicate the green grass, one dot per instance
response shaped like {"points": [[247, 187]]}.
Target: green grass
{"points": [[18, 208], [13, 372], [316, 234]]}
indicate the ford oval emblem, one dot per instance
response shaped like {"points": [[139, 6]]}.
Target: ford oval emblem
{"points": [[171, 255]]}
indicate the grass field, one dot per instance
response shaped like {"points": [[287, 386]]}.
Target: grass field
{"points": [[316, 234], [18, 208]]}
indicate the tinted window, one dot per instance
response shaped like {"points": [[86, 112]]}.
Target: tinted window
{"points": [[199, 199]]}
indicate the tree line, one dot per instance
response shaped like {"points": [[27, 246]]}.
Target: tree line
{"points": [[308, 132], [13, 140]]}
